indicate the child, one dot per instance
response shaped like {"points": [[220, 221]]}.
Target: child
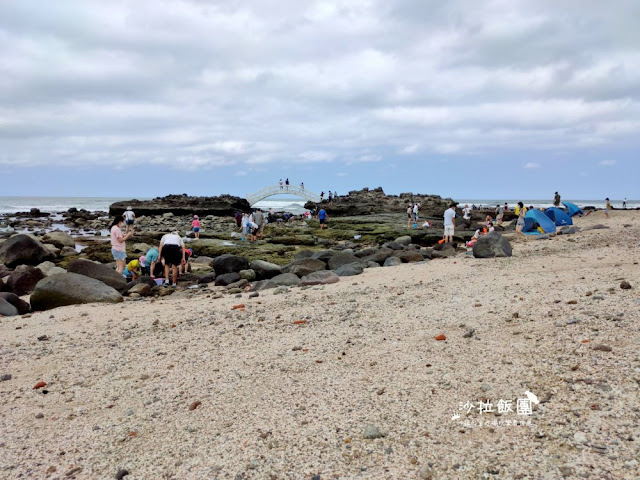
{"points": [[196, 226], [133, 269], [607, 207]]}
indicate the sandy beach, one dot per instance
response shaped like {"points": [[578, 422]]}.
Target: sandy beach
{"points": [[289, 386]]}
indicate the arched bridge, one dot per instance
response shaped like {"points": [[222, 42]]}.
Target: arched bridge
{"points": [[266, 192]]}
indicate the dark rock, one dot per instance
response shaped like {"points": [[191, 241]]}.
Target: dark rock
{"points": [[492, 245], [22, 306], [265, 270], [144, 279], [324, 255], [303, 254], [349, 270], [445, 252], [227, 279], [221, 206], [404, 240], [304, 266], [238, 284], [624, 285], [121, 474], [230, 264], [392, 262], [208, 278], [248, 274], [409, 256], [23, 250], [366, 252], [71, 289], [141, 289], [97, 271], [7, 310], [379, 256], [341, 258], [393, 246], [23, 279], [322, 277], [285, 280]]}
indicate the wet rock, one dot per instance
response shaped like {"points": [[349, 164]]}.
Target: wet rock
{"points": [[208, 278], [392, 262], [121, 474], [227, 279]]}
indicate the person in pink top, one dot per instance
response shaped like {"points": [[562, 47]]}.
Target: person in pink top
{"points": [[196, 226], [118, 242]]}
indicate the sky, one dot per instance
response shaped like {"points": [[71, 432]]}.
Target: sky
{"points": [[464, 99]]}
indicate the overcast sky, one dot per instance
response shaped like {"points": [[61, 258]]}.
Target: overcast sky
{"points": [[464, 98]]}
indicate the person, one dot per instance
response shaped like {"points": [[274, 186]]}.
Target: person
{"points": [[322, 196], [286, 182], [130, 218], [245, 225], [322, 217], [556, 200], [133, 270], [499, 214], [258, 218], [624, 203], [506, 207], [172, 252], [488, 220], [607, 207], [196, 226], [466, 216], [520, 211], [238, 218], [151, 259], [183, 269], [449, 223], [409, 214], [280, 183], [119, 242], [416, 209], [302, 186], [330, 197]]}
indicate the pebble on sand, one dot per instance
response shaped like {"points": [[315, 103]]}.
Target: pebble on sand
{"points": [[194, 405], [39, 385], [441, 337]]}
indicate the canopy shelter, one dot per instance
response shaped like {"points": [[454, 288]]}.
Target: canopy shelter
{"points": [[573, 209], [537, 223], [558, 216]]}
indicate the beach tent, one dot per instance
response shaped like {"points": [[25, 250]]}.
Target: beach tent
{"points": [[534, 219], [573, 209], [558, 216]]}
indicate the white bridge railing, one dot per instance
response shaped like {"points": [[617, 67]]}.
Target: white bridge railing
{"points": [[282, 190]]}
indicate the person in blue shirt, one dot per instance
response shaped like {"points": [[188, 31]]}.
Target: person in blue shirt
{"points": [[322, 216], [151, 260]]}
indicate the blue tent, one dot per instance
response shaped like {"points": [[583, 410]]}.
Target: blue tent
{"points": [[573, 209], [558, 216], [534, 219]]}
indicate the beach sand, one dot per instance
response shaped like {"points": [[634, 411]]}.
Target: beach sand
{"points": [[286, 400]]}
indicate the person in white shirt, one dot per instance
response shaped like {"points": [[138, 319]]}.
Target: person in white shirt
{"points": [[466, 216], [449, 223], [172, 251], [129, 219]]}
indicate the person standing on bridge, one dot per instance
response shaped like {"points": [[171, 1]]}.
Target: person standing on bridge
{"points": [[280, 183], [302, 186], [286, 182], [321, 196]]}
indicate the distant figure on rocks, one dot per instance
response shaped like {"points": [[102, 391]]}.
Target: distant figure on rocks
{"points": [[154, 266], [172, 252], [258, 219], [238, 218], [449, 223], [556, 200], [499, 214], [322, 196], [409, 215], [330, 197], [280, 183], [624, 203], [245, 225], [607, 207], [466, 216], [130, 218], [521, 211], [286, 182], [322, 217], [196, 226], [506, 207], [416, 211], [119, 242], [302, 186]]}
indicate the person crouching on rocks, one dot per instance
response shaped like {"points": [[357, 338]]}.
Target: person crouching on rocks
{"points": [[119, 242], [133, 270], [172, 252]]}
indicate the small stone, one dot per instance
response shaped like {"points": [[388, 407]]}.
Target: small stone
{"points": [[572, 302], [566, 471], [121, 474], [625, 285], [129, 412], [469, 333], [602, 348], [43, 338], [441, 337], [40, 415], [254, 295], [4, 377], [372, 432], [485, 387], [254, 464], [580, 438], [425, 473], [194, 405]]}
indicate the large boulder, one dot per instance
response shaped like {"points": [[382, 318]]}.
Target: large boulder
{"points": [[324, 255], [322, 277], [349, 270], [303, 254], [304, 266], [443, 251], [6, 309], [392, 262], [230, 264], [341, 258], [492, 245], [265, 270], [285, 279], [208, 278], [404, 240], [71, 289], [408, 256], [23, 279], [226, 279], [379, 256], [23, 250], [22, 306], [142, 289], [60, 239], [46, 266], [143, 279], [100, 272]]}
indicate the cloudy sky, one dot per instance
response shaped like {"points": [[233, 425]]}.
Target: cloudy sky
{"points": [[464, 98]]}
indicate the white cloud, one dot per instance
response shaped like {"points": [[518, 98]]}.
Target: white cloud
{"points": [[531, 165], [607, 163]]}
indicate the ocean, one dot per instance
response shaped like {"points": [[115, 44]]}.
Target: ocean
{"points": [[62, 204]]}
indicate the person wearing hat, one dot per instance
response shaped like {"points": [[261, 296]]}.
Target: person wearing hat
{"points": [[129, 218], [196, 226]]}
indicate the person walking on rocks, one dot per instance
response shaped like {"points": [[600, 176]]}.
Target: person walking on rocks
{"points": [[322, 217], [196, 226], [238, 219], [322, 196], [499, 214], [556, 200], [409, 214], [466, 216], [119, 242], [449, 223], [416, 210], [172, 252], [130, 218], [302, 186], [258, 219]]}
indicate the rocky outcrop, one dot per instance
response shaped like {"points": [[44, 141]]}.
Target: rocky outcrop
{"points": [[71, 289], [370, 202], [23, 250], [322, 277], [223, 205], [103, 273], [492, 245]]}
